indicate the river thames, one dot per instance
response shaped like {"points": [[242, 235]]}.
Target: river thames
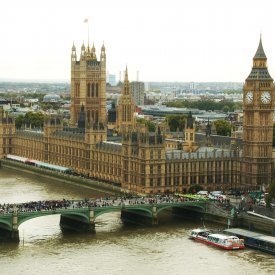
{"points": [[115, 248]]}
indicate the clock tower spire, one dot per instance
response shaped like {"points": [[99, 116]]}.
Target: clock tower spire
{"points": [[258, 109]]}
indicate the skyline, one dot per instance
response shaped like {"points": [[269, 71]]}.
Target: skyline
{"points": [[181, 42]]}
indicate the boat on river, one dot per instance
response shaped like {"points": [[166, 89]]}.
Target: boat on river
{"points": [[217, 239], [255, 240]]}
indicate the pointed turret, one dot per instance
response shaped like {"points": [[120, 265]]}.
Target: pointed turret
{"points": [[126, 75], [189, 123], [126, 88], [93, 52], [259, 70], [102, 54], [73, 47], [73, 55], [103, 48], [83, 49], [208, 129], [260, 54], [126, 106]]}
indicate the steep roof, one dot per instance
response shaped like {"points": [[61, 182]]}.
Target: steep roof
{"points": [[260, 54]]}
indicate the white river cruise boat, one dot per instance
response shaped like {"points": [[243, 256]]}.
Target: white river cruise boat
{"points": [[218, 240]]}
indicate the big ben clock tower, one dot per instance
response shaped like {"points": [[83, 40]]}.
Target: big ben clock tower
{"points": [[258, 109]]}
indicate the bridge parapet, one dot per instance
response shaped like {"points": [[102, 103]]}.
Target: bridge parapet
{"points": [[85, 212]]}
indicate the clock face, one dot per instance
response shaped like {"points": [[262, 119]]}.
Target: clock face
{"points": [[249, 97], [265, 97]]}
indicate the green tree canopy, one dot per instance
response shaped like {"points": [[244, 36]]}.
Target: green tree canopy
{"points": [[35, 120], [151, 126], [19, 121], [208, 105], [175, 122], [223, 127]]}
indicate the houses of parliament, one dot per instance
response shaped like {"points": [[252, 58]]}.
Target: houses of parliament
{"points": [[139, 160]]}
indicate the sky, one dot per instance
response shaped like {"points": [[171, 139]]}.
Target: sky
{"points": [[176, 40]]}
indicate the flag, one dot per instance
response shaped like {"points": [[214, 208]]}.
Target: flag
{"points": [[85, 20]]}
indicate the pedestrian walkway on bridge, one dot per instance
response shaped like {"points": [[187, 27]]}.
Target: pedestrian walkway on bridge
{"points": [[81, 214]]}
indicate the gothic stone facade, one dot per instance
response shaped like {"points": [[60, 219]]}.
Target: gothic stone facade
{"points": [[141, 161]]}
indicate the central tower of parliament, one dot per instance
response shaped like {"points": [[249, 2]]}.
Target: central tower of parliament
{"points": [[139, 160]]}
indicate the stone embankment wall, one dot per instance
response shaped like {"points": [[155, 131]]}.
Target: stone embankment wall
{"points": [[65, 178]]}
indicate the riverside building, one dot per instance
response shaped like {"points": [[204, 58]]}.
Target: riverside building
{"points": [[138, 160]]}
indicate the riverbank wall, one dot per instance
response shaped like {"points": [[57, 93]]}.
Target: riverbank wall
{"points": [[216, 213], [95, 185]]}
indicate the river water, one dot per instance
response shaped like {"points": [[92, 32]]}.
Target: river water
{"points": [[115, 248]]}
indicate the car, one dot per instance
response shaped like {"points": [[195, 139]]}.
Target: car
{"points": [[216, 193], [202, 193]]}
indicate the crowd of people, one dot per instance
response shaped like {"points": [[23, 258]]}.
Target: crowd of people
{"points": [[52, 205]]}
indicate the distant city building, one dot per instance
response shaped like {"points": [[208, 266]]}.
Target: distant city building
{"points": [[51, 98], [192, 85], [112, 79], [137, 91]]}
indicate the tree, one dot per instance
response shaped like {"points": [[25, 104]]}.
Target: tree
{"points": [[175, 122], [273, 142], [19, 121], [226, 109], [206, 105], [223, 127], [33, 120], [271, 194], [151, 126]]}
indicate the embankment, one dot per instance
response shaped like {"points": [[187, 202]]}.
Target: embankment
{"points": [[98, 186]]}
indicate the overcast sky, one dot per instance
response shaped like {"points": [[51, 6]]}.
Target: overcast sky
{"points": [[176, 40]]}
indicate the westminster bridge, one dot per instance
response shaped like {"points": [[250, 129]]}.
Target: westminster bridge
{"points": [[80, 215]]}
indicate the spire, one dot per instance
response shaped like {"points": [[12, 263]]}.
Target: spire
{"points": [[103, 47], [126, 74], [83, 49], [189, 123], [259, 69], [93, 55], [208, 129], [260, 54], [73, 55], [102, 54], [73, 47]]}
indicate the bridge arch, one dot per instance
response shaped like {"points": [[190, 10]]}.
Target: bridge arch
{"points": [[105, 211], [5, 225], [24, 218], [137, 208], [184, 206]]}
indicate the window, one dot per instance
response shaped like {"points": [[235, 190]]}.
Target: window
{"points": [[88, 90], [96, 92], [93, 89]]}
